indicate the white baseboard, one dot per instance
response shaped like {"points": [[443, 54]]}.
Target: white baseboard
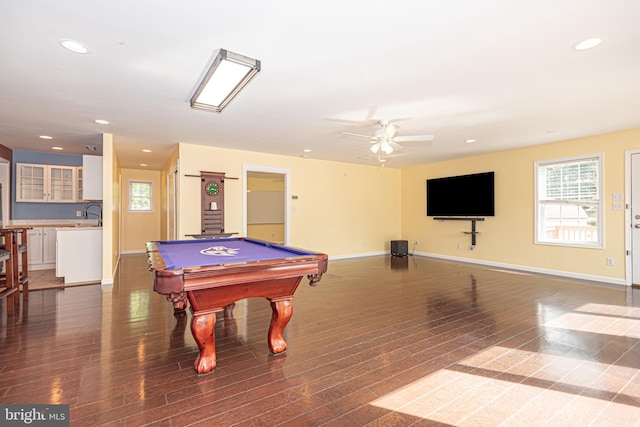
{"points": [[360, 255], [568, 274]]}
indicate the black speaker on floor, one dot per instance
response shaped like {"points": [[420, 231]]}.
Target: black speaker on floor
{"points": [[399, 248]]}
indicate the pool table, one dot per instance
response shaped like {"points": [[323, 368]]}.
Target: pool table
{"points": [[211, 274]]}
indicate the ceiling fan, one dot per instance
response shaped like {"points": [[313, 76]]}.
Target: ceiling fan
{"points": [[384, 140]]}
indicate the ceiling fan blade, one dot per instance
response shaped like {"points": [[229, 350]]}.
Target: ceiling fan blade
{"points": [[358, 134], [413, 138], [389, 130], [371, 114]]}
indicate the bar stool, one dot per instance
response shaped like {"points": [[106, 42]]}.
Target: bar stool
{"points": [[21, 272], [10, 286]]}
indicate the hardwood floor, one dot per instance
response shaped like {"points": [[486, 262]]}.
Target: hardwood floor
{"points": [[413, 342]]}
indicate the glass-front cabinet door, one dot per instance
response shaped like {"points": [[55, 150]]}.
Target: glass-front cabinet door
{"points": [[62, 184], [45, 183], [79, 183], [31, 180]]}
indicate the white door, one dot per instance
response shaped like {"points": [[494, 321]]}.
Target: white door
{"points": [[635, 217]]}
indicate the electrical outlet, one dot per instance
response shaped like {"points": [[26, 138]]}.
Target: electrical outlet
{"points": [[78, 213], [417, 242], [610, 262], [459, 246]]}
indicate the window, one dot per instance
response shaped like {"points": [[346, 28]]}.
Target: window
{"points": [[140, 196], [568, 202]]}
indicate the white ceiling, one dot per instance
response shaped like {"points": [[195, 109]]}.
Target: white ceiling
{"points": [[500, 71]]}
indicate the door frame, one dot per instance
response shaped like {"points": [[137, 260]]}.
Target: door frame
{"points": [[253, 168], [5, 180], [627, 217], [172, 202]]}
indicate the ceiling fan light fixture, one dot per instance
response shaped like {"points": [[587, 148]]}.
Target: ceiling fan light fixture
{"points": [[385, 147], [228, 74]]}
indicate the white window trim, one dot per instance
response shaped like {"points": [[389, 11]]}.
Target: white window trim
{"points": [[129, 196], [600, 217]]}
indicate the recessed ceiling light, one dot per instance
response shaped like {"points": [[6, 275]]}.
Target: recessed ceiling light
{"points": [[470, 141], [57, 148], [74, 46], [101, 122], [307, 150], [588, 43], [45, 137], [143, 164], [146, 150]]}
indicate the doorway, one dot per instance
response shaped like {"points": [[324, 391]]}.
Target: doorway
{"points": [[266, 204]]}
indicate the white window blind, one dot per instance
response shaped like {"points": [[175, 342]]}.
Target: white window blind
{"points": [[140, 196], [568, 201]]}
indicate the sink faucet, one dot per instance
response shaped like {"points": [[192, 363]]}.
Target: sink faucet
{"points": [[85, 211]]}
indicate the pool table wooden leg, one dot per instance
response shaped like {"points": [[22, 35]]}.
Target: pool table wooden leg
{"points": [[202, 326], [282, 310], [228, 311]]}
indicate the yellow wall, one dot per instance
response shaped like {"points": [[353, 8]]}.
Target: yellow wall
{"points": [[271, 232], [342, 209], [140, 227], [110, 209], [508, 238]]}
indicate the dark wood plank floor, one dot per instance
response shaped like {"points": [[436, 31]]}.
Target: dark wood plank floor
{"points": [[414, 342]]}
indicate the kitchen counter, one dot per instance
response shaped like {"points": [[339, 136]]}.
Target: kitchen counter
{"points": [[79, 254], [77, 227], [55, 223]]}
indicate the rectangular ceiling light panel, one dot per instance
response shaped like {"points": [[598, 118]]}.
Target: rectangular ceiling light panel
{"points": [[226, 77]]}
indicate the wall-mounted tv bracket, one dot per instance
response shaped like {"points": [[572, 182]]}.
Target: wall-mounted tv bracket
{"points": [[473, 231]]}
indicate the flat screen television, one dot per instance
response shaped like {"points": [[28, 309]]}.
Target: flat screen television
{"points": [[463, 195]]}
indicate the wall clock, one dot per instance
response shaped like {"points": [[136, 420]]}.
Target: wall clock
{"points": [[212, 188]]}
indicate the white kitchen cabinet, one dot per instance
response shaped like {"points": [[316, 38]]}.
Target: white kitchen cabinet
{"points": [[79, 184], [91, 177], [45, 183], [79, 257], [41, 244]]}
